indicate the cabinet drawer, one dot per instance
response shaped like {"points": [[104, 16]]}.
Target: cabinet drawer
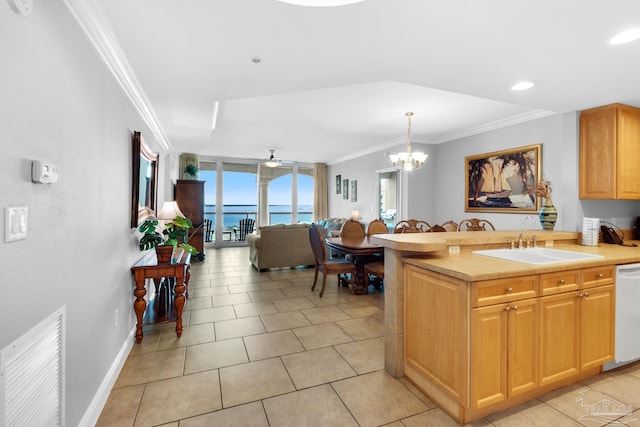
{"points": [[558, 282], [598, 276], [488, 292]]}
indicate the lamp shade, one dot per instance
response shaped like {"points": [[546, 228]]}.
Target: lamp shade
{"points": [[170, 211]]}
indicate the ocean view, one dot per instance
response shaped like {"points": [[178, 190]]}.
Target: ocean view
{"points": [[280, 214]]}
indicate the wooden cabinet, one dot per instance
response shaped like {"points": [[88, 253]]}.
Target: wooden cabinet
{"points": [[503, 343], [483, 346], [189, 194], [610, 153]]}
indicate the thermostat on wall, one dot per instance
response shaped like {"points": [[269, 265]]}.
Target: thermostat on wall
{"points": [[45, 173]]}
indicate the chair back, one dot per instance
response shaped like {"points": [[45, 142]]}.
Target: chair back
{"points": [[450, 226], [437, 228], [412, 226], [208, 232], [352, 230], [317, 244], [475, 224], [377, 226], [246, 227]]}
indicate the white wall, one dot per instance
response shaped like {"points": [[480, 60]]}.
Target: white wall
{"points": [[437, 191], [60, 104]]}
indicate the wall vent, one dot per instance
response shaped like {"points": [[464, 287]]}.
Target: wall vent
{"points": [[32, 376]]}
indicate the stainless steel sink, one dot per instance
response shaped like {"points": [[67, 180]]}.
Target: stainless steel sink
{"points": [[538, 256]]}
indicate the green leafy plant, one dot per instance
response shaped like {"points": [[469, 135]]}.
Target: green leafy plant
{"points": [[175, 233], [191, 169]]}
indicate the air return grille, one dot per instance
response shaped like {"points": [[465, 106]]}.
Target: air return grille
{"points": [[32, 376]]}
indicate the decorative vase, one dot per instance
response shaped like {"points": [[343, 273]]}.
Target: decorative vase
{"points": [[548, 214], [164, 253]]}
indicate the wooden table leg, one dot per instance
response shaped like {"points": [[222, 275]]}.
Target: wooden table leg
{"points": [[139, 306], [359, 288], [179, 304]]}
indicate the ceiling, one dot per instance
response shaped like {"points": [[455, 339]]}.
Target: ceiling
{"points": [[328, 84]]}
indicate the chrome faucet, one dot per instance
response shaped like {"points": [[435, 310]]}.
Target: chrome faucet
{"points": [[520, 246]]}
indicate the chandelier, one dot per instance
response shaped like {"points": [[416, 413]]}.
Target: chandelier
{"points": [[272, 162], [408, 160]]}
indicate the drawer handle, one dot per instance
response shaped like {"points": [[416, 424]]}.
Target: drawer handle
{"points": [[507, 308], [514, 308], [508, 290], [561, 282], [583, 295], [599, 276]]}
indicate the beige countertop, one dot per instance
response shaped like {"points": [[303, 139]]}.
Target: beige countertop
{"points": [[471, 267]]}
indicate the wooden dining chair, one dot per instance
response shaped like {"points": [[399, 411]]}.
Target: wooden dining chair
{"points": [[327, 266], [475, 224], [352, 229], [375, 269], [450, 225], [437, 229], [411, 226], [377, 226]]}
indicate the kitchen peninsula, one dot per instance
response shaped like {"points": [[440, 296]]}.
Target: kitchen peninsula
{"points": [[479, 334]]}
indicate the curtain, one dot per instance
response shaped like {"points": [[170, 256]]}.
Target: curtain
{"points": [[320, 195]]}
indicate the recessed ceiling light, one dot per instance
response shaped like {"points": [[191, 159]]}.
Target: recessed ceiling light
{"points": [[321, 3], [626, 36], [523, 86]]}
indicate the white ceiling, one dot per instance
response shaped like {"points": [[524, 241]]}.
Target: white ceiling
{"points": [[335, 82]]}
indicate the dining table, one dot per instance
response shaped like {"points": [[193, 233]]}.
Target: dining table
{"points": [[361, 249]]}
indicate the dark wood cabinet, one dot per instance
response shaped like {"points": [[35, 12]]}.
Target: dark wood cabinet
{"points": [[189, 194]]}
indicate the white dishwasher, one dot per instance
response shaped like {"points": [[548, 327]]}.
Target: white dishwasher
{"points": [[627, 315]]}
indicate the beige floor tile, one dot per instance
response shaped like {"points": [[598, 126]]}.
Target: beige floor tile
{"points": [[323, 335], [239, 328], [280, 321], [149, 343], [437, 418], [255, 309], [250, 414], [318, 406], [254, 381], [273, 344], [361, 310], [325, 314], [363, 356], [311, 368], [150, 367], [300, 290], [198, 303], [213, 355], [362, 328], [531, 413], [176, 398], [230, 299], [121, 407], [191, 335], [245, 287], [623, 388], [274, 284], [569, 401], [214, 314], [416, 392], [268, 295], [294, 303], [392, 400]]}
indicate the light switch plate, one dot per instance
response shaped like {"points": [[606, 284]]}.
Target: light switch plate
{"points": [[15, 220]]}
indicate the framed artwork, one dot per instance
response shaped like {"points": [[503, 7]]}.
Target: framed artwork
{"points": [[354, 191], [503, 181], [345, 189], [338, 184]]}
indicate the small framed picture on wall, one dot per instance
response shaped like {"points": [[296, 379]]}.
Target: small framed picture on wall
{"points": [[354, 191], [345, 189], [338, 184]]}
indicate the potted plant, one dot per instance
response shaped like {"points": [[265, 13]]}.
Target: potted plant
{"points": [[174, 234], [191, 170]]}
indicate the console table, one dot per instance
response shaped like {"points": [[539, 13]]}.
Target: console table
{"points": [[147, 267]]}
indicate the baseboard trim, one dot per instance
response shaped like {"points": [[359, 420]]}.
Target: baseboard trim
{"points": [[92, 413]]}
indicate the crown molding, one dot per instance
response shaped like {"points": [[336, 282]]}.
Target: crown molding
{"points": [[93, 23]]}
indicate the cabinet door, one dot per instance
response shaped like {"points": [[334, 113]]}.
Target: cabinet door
{"points": [[559, 317], [597, 153], [522, 363], [628, 150], [489, 355], [597, 326]]}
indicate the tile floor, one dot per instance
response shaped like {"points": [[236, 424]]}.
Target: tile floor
{"points": [[261, 349]]}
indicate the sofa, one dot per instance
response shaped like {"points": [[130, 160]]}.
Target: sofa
{"points": [[286, 245], [281, 245]]}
